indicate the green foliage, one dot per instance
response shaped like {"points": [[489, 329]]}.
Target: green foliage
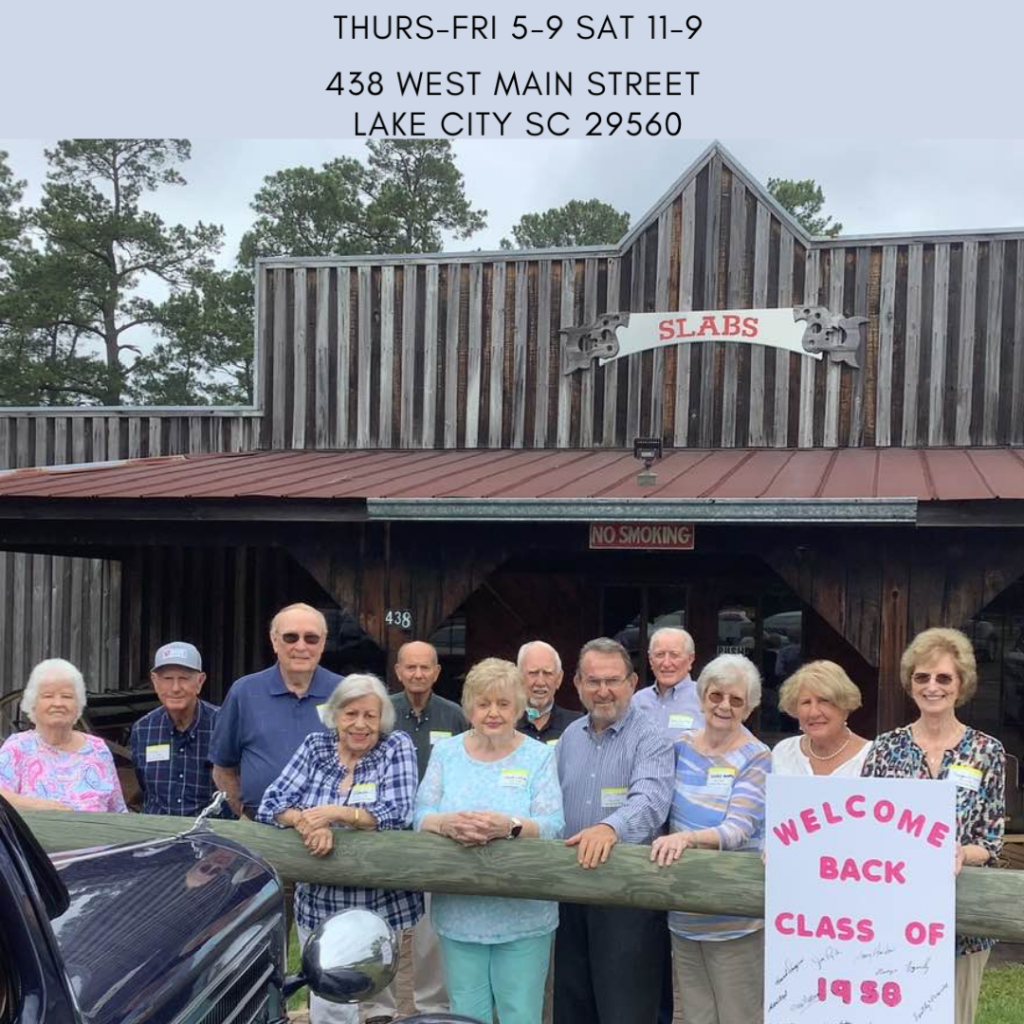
{"points": [[12, 219], [72, 299], [804, 199], [408, 193], [576, 223]]}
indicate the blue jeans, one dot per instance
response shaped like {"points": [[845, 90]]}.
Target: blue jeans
{"points": [[506, 975]]}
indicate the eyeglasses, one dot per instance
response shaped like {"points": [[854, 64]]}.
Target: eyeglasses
{"points": [[310, 639], [596, 684], [924, 678], [734, 701]]}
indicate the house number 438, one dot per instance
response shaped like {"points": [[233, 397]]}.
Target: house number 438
{"points": [[398, 618]]}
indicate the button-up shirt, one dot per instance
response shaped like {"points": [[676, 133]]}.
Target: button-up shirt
{"points": [[558, 721], [439, 719], [262, 724], [173, 765], [674, 711], [384, 783], [621, 776]]}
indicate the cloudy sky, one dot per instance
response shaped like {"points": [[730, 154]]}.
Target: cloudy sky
{"points": [[871, 186]]}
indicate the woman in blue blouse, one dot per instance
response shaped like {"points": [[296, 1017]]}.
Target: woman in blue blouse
{"points": [[361, 775], [493, 783]]}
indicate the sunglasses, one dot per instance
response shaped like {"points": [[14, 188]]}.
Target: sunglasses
{"points": [[734, 701], [924, 678], [310, 639]]}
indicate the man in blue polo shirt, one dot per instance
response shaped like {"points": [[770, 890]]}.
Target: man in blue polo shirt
{"points": [[171, 745], [268, 714]]}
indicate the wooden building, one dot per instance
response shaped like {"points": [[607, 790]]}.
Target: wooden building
{"points": [[419, 463]]}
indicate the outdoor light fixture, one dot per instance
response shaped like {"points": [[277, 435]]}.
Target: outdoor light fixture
{"points": [[647, 449]]}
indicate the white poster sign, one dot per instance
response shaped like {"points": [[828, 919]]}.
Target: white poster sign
{"points": [[859, 901], [774, 327]]}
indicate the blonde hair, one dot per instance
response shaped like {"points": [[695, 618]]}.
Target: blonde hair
{"points": [[823, 679], [494, 674], [930, 645]]}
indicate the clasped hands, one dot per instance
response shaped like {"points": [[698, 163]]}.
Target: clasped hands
{"points": [[314, 825], [475, 828]]}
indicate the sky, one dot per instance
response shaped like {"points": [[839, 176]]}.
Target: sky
{"points": [[872, 186]]}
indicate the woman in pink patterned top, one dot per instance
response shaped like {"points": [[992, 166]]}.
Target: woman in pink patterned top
{"points": [[55, 766]]}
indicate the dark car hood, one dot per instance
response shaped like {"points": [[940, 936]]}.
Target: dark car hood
{"points": [[155, 928]]}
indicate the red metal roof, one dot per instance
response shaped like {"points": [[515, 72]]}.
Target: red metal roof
{"points": [[935, 474]]}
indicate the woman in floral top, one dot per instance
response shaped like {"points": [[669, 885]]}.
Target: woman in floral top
{"points": [[55, 766], [939, 673]]}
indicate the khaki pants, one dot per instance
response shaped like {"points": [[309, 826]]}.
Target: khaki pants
{"points": [[969, 969], [428, 992], [720, 982]]}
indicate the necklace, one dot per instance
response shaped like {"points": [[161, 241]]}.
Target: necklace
{"points": [[834, 754]]}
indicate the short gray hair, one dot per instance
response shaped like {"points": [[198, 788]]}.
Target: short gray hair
{"points": [[41, 673], [732, 668], [686, 638], [605, 645], [352, 688], [538, 643]]}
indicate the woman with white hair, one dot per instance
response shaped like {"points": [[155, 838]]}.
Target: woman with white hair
{"points": [[360, 775], [55, 766], [718, 804]]}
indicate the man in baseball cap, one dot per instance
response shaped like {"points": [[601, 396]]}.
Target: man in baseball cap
{"points": [[171, 745]]}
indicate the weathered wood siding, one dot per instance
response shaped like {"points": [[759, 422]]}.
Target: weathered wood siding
{"points": [[54, 606], [413, 352]]}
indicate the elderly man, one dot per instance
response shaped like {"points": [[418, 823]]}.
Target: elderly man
{"points": [[670, 702], [427, 717], [171, 745], [541, 668], [617, 777], [268, 714]]}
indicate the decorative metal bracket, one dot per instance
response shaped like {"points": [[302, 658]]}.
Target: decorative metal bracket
{"points": [[837, 337], [593, 341]]}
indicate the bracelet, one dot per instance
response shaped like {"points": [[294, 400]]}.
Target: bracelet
{"points": [[355, 820]]}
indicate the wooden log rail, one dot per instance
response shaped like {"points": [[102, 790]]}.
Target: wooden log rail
{"points": [[988, 902]]}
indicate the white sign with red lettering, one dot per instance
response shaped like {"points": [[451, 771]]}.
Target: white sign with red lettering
{"points": [[859, 901], [774, 327], [643, 536]]}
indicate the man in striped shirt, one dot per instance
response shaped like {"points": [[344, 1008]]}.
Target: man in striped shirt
{"points": [[617, 772]]}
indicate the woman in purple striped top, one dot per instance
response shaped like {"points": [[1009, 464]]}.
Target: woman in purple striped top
{"points": [[718, 804]]}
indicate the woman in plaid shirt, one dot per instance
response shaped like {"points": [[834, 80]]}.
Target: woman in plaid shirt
{"points": [[361, 775]]}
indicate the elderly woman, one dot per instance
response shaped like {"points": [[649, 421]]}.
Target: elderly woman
{"points": [[820, 696], [939, 673], [55, 766], [718, 804], [360, 775], [490, 783]]}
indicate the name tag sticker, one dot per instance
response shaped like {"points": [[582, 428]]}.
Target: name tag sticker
{"points": [[158, 752], [614, 796], [720, 780], [552, 743], [363, 793], [680, 721], [966, 777], [513, 778], [436, 735]]}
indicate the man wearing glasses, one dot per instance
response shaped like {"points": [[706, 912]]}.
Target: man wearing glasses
{"points": [[268, 714], [617, 773]]}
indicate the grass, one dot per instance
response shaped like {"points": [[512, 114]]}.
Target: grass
{"points": [[1002, 996], [300, 1000]]}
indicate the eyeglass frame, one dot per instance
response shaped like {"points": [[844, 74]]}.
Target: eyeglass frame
{"points": [[309, 639], [716, 697]]}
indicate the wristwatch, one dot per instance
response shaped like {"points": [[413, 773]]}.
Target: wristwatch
{"points": [[514, 828]]}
